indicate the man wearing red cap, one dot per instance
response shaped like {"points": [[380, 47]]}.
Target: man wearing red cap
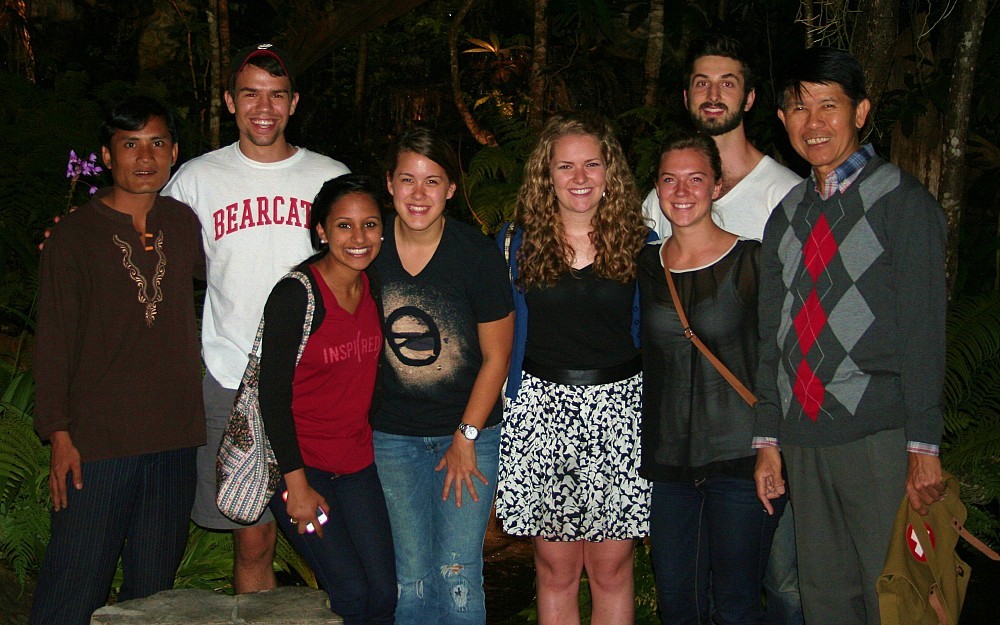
{"points": [[253, 199]]}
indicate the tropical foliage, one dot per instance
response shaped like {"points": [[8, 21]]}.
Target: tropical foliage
{"points": [[24, 477], [494, 174], [972, 409]]}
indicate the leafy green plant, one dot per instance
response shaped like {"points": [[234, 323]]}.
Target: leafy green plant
{"points": [[207, 563], [495, 173], [24, 469], [971, 446]]}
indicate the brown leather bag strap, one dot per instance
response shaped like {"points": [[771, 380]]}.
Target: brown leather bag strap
{"points": [[744, 392], [975, 542], [935, 603]]}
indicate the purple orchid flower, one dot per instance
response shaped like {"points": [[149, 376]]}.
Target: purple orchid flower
{"points": [[77, 166]]}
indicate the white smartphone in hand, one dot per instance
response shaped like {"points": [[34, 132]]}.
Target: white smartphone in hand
{"points": [[320, 515]]}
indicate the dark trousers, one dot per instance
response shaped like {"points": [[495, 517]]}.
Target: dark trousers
{"points": [[846, 498], [354, 561], [781, 579], [712, 534], [136, 508]]}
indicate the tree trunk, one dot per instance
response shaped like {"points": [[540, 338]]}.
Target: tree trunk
{"points": [[359, 82], [539, 62], [919, 151], [214, 97], [483, 136], [956, 125], [224, 43], [808, 17], [875, 33], [195, 90], [654, 52], [22, 30]]}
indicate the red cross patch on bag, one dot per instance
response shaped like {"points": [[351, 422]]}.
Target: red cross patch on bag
{"points": [[916, 549]]}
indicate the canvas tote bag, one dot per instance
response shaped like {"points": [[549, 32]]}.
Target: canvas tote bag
{"points": [[246, 470], [924, 580]]}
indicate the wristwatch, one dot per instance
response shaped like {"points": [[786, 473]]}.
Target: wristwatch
{"points": [[470, 432]]}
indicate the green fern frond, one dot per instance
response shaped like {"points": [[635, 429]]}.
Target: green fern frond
{"points": [[971, 403], [19, 461], [24, 532], [208, 561], [973, 341], [19, 395], [24, 461], [494, 204], [495, 173], [981, 440]]}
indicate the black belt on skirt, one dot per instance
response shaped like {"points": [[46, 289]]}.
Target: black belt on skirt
{"points": [[584, 377]]}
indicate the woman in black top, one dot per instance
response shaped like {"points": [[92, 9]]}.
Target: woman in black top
{"points": [[570, 446], [708, 531]]}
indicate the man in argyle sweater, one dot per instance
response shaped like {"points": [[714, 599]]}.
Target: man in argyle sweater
{"points": [[852, 313]]}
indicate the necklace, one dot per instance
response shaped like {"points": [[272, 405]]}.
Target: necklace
{"points": [[140, 280]]}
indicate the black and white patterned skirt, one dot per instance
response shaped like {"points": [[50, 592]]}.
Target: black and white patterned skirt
{"points": [[569, 462]]}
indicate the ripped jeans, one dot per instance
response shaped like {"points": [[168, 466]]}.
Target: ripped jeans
{"points": [[439, 546]]}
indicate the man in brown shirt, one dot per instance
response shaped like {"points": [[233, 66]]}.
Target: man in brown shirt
{"points": [[118, 375]]}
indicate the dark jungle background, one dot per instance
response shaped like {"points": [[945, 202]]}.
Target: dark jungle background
{"points": [[488, 72]]}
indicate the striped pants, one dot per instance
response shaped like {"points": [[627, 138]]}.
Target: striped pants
{"points": [[135, 508]]}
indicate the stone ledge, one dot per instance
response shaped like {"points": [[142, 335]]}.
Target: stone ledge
{"points": [[290, 605]]}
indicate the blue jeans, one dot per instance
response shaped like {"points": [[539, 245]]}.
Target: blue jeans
{"points": [[711, 534], [135, 507], [439, 546], [353, 562]]}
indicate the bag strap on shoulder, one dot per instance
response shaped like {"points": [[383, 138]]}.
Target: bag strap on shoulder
{"points": [[310, 310], [724, 371]]}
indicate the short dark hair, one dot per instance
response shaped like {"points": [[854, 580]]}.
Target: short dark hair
{"points": [[718, 44], [330, 193], [133, 114], [823, 66], [264, 56], [426, 142], [691, 140]]}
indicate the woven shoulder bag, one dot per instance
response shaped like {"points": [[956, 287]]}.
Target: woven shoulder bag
{"points": [[245, 468]]}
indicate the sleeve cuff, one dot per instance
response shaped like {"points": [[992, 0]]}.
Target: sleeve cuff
{"points": [[926, 449], [760, 442]]}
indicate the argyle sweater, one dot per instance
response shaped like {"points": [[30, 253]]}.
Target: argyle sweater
{"points": [[852, 312]]}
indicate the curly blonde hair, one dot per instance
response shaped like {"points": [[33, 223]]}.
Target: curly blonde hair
{"points": [[619, 231]]}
